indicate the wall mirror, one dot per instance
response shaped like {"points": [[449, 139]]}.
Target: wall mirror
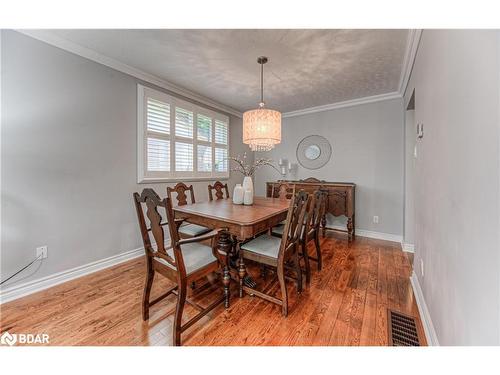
{"points": [[314, 152]]}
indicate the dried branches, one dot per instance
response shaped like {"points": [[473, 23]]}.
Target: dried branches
{"points": [[247, 169]]}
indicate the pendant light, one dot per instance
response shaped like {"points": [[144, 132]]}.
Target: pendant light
{"points": [[261, 126]]}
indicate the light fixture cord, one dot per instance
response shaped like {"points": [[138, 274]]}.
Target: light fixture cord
{"points": [[262, 84]]}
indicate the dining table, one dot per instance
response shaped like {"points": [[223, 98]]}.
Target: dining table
{"points": [[237, 223]]}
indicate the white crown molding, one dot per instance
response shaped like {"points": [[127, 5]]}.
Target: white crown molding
{"points": [[347, 103], [425, 316], [409, 58], [56, 41], [21, 290], [52, 39]]}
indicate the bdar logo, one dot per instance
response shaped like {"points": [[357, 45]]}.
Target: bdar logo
{"points": [[8, 339]]}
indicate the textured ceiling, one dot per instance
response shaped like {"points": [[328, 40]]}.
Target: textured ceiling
{"points": [[306, 68]]}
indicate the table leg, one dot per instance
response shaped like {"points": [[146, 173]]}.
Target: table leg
{"points": [[226, 245]]}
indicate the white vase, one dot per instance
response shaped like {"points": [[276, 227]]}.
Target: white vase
{"points": [[238, 194], [248, 198], [248, 184]]}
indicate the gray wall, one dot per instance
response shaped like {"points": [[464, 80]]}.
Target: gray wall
{"points": [[456, 83], [69, 158], [409, 206], [367, 144]]}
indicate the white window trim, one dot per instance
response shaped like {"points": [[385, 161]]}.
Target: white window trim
{"points": [[151, 177]]}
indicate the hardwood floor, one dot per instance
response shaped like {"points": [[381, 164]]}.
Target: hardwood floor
{"points": [[344, 304]]}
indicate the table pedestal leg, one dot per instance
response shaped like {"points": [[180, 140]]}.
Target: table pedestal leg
{"points": [[225, 245]]}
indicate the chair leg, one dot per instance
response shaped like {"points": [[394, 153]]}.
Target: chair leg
{"points": [[284, 296], [242, 271], [181, 300], [297, 269], [263, 271], [307, 264], [147, 288], [318, 249]]}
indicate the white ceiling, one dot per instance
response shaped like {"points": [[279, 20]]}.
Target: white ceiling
{"points": [[306, 68]]}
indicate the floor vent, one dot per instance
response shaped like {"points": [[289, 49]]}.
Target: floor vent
{"points": [[402, 329]]}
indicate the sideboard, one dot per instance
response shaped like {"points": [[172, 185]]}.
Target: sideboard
{"points": [[340, 199]]}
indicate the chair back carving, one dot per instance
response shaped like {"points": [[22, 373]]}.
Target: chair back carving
{"points": [[149, 202], [219, 188], [318, 207], [283, 190], [294, 221], [180, 189]]}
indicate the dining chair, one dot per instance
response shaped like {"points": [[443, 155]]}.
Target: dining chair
{"points": [[282, 190], [180, 189], [182, 261], [220, 189], [274, 252], [311, 231]]}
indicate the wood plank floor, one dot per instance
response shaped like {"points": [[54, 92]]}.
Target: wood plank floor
{"points": [[344, 304]]}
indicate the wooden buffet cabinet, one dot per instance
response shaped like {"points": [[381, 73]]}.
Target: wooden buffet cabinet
{"points": [[340, 199]]}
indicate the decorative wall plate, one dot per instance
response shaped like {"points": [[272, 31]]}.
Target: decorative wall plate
{"points": [[314, 152]]}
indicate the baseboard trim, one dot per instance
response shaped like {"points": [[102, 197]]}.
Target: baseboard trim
{"points": [[408, 247], [430, 332], [21, 290], [372, 234]]}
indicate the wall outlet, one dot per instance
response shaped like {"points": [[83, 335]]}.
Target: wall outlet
{"points": [[43, 251], [375, 219], [422, 267]]}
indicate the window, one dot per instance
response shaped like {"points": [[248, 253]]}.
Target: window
{"points": [[179, 140]]}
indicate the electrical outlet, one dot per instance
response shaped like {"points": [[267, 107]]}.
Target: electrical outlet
{"points": [[422, 267], [43, 251], [375, 219]]}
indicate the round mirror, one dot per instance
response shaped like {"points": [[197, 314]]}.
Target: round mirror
{"points": [[312, 152]]}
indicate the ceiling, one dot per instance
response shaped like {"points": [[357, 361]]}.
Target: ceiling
{"points": [[306, 68]]}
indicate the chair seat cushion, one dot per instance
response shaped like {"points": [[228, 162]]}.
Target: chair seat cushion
{"points": [[196, 255], [265, 245], [278, 230], [193, 230]]}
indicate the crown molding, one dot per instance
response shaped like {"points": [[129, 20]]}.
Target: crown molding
{"points": [[409, 58], [347, 103], [56, 41]]}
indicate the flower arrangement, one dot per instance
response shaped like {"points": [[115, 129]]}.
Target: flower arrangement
{"points": [[248, 170]]}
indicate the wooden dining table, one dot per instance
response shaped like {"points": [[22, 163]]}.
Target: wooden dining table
{"points": [[238, 223]]}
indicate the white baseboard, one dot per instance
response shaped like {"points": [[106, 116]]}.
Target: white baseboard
{"points": [[379, 235], [371, 234], [430, 332], [21, 290], [408, 247]]}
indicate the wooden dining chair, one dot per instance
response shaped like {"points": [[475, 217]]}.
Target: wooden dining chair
{"points": [[283, 190], [181, 190], [315, 212], [220, 189], [183, 261], [272, 251], [312, 231]]}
